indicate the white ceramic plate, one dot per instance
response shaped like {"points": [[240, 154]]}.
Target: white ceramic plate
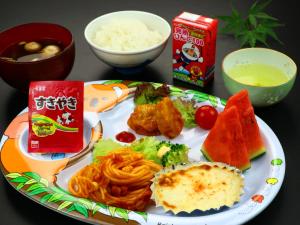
{"points": [[48, 185]]}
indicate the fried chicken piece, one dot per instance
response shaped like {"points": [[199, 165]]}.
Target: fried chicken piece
{"points": [[168, 118], [143, 120]]}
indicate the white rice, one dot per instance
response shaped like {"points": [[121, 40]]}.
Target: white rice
{"points": [[126, 35]]}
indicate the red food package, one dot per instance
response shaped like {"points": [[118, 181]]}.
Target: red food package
{"points": [[55, 116]]}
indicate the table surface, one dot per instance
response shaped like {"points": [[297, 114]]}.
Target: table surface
{"points": [[283, 118]]}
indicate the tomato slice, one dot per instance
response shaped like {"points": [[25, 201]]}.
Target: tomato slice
{"points": [[206, 116]]}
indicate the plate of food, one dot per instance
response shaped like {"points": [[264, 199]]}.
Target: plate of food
{"points": [[153, 154]]}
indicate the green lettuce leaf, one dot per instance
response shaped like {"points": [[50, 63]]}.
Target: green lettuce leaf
{"points": [[148, 147], [104, 147], [146, 93], [187, 110]]}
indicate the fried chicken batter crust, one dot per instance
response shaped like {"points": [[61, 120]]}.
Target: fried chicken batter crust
{"points": [[143, 120], [168, 118]]}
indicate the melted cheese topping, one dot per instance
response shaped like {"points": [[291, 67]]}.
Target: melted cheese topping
{"points": [[200, 187]]}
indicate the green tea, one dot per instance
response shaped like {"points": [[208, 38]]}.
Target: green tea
{"points": [[258, 75]]}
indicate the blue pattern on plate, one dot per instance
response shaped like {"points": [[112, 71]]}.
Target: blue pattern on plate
{"points": [[56, 156]]}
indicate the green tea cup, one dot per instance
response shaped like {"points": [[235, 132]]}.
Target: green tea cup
{"points": [[260, 95]]}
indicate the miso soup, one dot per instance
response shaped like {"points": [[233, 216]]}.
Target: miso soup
{"points": [[32, 51]]}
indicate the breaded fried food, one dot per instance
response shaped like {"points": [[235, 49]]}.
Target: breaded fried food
{"points": [[168, 118], [143, 120]]}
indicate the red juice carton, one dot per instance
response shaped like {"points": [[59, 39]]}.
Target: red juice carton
{"points": [[194, 48], [55, 116]]}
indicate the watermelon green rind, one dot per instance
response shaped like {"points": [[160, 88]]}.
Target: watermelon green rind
{"points": [[205, 154], [258, 153]]}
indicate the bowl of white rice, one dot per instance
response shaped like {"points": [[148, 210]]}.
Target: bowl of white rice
{"points": [[128, 40]]}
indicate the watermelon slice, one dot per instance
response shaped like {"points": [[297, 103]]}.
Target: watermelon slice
{"points": [[225, 141], [250, 129]]}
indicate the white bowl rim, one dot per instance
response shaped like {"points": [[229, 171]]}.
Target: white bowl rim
{"points": [[128, 52], [260, 49]]}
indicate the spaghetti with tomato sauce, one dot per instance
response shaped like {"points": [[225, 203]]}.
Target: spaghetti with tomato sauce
{"points": [[120, 179]]}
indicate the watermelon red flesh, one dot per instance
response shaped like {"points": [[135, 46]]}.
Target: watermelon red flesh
{"points": [[250, 129], [225, 142]]}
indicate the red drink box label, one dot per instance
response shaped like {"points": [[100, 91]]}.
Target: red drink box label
{"points": [[194, 48], [55, 117]]}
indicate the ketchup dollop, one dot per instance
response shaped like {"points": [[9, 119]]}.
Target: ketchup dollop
{"points": [[125, 136]]}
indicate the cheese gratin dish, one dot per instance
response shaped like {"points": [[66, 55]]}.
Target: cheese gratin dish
{"points": [[201, 186]]}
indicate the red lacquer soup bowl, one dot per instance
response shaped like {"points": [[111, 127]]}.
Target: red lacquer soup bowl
{"points": [[57, 67]]}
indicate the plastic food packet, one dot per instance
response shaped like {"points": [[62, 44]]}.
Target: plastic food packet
{"points": [[55, 117]]}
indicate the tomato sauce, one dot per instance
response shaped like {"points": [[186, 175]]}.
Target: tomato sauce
{"points": [[125, 136]]}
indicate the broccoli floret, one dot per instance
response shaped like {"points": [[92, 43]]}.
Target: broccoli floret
{"points": [[164, 143], [176, 154], [162, 152]]}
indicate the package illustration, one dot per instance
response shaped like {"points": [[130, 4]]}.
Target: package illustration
{"points": [[55, 116], [194, 48]]}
